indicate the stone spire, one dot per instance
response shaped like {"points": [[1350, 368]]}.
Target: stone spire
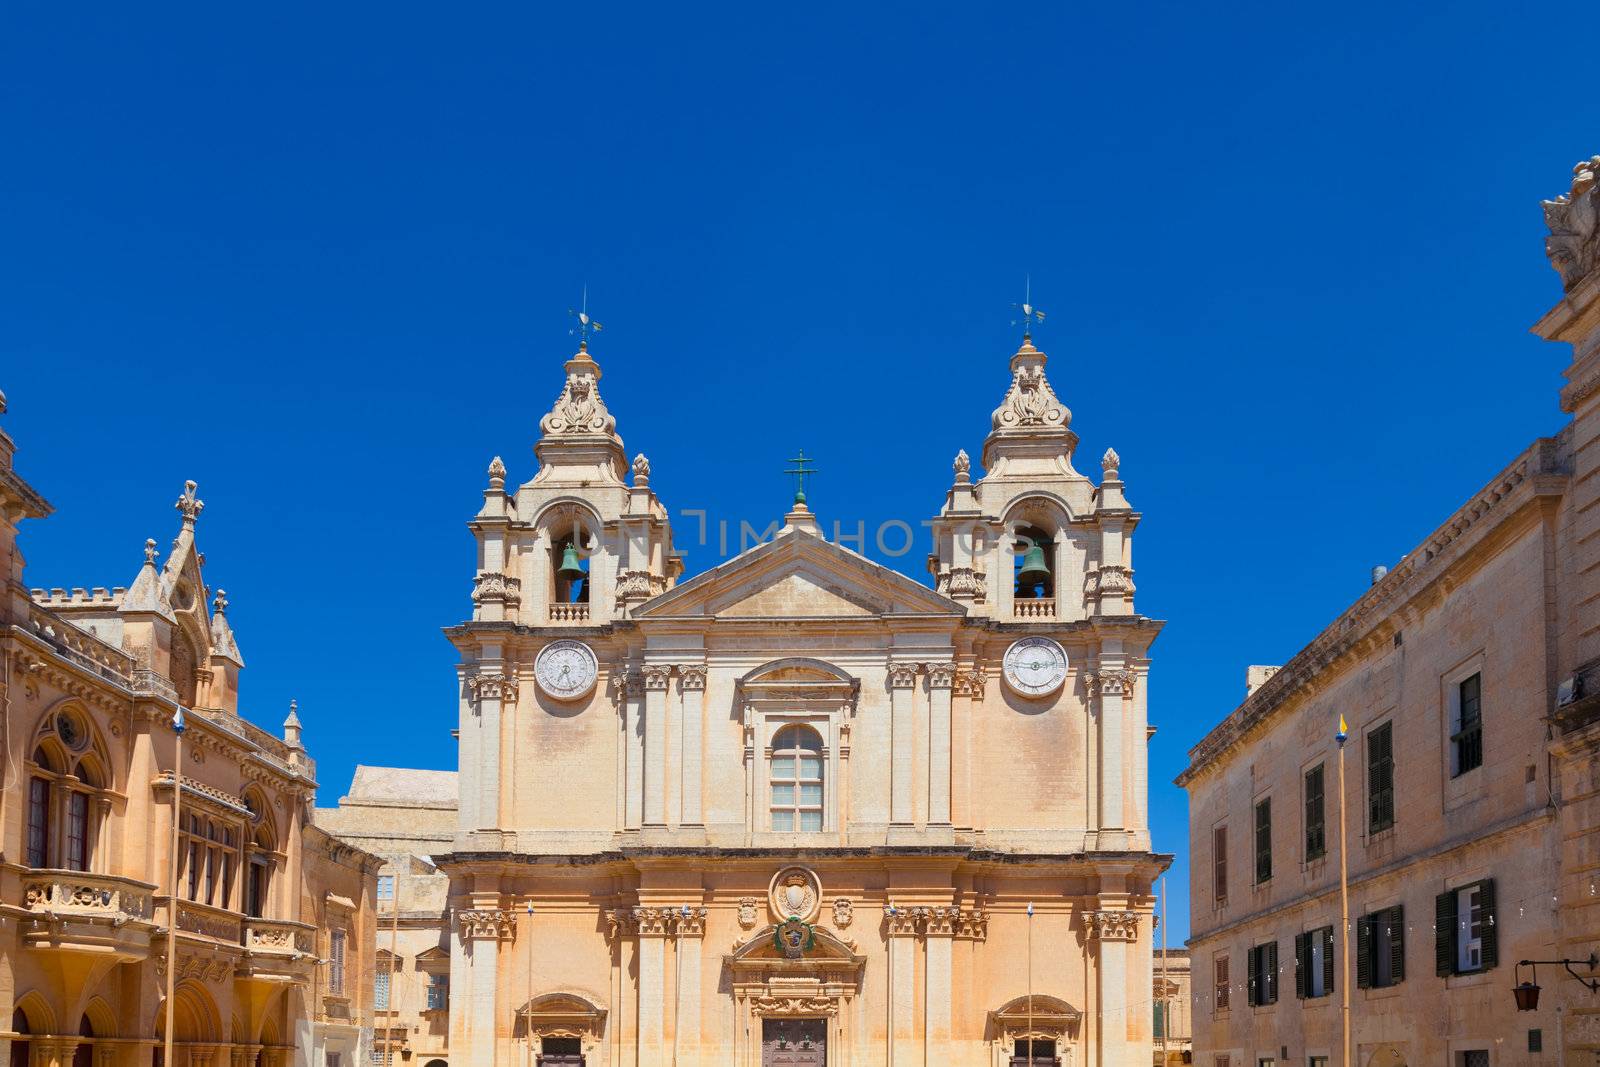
{"points": [[291, 727], [146, 594], [580, 441], [222, 640], [1031, 429]]}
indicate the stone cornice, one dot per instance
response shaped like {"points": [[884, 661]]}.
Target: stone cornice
{"points": [[1539, 471]]}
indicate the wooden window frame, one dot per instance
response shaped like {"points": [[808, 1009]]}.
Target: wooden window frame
{"points": [[1380, 778], [1263, 840], [1315, 812]]}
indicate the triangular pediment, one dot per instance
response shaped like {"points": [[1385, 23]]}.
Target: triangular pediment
{"points": [[798, 575]]}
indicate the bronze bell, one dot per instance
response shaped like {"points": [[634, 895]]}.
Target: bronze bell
{"points": [[1035, 571], [571, 568]]}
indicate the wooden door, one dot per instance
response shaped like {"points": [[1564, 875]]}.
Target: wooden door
{"points": [[794, 1042]]}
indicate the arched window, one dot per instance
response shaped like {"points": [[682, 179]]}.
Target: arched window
{"points": [[258, 878], [185, 668], [569, 563], [65, 795], [796, 779], [1033, 564]]}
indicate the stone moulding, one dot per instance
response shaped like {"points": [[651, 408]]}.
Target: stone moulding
{"points": [[1355, 628]]}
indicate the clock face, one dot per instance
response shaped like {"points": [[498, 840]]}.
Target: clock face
{"points": [[566, 670], [1035, 666]]}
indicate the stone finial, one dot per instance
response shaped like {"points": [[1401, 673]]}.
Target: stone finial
{"points": [[150, 550], [1574, 221], [963, 466], [189, 505], [1110, 462], [641, 470], [219, 603], [497, 473], [291, 726]]}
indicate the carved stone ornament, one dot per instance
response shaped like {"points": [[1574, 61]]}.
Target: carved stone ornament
{"points": [[502, 587], [793, 1005], [691, 676], [795, 893], [189, 506], [747, 912], [491, 687], [497, 473], [1574, 220], [902, 675], [963, 466], [579, 409], [1112, 682], [964, 582], [656, 677], [1110, 578], [970, 682], [496, 924], [941, 675], [641, 469], [843, 912], [1110, 463], [1113, 925], [634, 584], [1030, 402]]}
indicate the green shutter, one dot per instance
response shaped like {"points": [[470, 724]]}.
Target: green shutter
{"points": [[1364, 951], [1397, 942], [1444, 934], [1327, 959], [1491, 945], [1272, 972], [1302, 964], [1252, 970]]}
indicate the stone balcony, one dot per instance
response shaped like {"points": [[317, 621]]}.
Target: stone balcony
{"points": [[569, 613], [1043, 608], [277, 950], [92, 913]]}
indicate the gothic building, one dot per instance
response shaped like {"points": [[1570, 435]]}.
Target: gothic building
{"points": [[799, 808]]}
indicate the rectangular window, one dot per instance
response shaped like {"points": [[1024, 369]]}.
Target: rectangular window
{"points": [[1262, 982], [334, 1059], [1263, 840], [1220, 982], [38, 822], [1313, 963], [1381, 948], [1477, 1057], [1465, 938], [1316, 835], [438, 992], [1466, 737], [194, 870], [77, 832], [380, 988], [1317, 1061], [385, 887], [1219, 864], [1380, 778], [336, 962]]}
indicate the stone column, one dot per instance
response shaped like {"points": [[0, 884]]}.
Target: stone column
{"points": [[939, 935], [474, 964], [902, 949], [941, 676], [487, 689], [1113, 683], [653, 927], [1114, 930], [902, 679], [655, 746], [691, 932], [633, 745], [692, 690]]}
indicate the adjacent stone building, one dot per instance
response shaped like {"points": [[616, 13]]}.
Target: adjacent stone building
{"points": [[1174, 1024], [801, 809], [1465, 674], [406, 817], [90, 681]]}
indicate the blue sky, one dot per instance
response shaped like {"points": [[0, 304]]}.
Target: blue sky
{"points": [[318, 258]]}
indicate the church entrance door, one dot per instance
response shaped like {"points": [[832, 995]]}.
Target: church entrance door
{"points": [[794, 1042]]}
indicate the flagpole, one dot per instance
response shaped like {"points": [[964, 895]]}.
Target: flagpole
{"points": [[172, 885], [528, 1026], [1166, 1006], [1344, 905], [1030, 983], [890, 912]]}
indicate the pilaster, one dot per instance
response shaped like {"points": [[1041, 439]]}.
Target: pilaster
{"points": [[902, 682], [1114, 930], [656, 679], [691, 788], [941, 679]]}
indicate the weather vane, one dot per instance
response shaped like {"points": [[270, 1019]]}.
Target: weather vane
{"points": [[802, 467], [585, 323], [1030, 315]]}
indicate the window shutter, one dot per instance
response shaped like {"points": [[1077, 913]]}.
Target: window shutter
{"points": [[1364, 951], [1302, 964], [1272, 972], [1252, 971], [1327, 959], [1397, 942], [1491, 946], [1219, 854], [1444, 934]]}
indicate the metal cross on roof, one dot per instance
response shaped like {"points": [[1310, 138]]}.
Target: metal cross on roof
{"points": [[1029, 315], [802, 467], [585, 323]]}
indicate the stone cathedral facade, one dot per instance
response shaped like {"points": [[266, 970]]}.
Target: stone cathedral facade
{"points": [[801, 809]]}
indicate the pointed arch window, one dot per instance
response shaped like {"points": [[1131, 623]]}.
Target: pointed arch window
{"points": [[796, 780], [65, 795]]}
